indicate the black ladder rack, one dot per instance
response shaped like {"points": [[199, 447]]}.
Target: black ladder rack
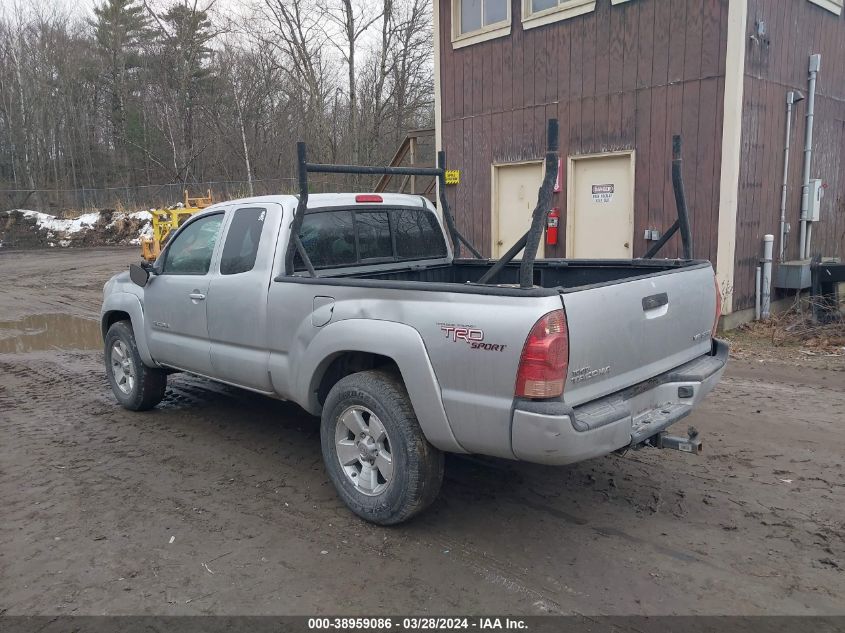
{"points": [[304, 168]]}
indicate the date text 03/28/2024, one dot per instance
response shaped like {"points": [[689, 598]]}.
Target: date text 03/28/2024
{"points": [[417, 624]]}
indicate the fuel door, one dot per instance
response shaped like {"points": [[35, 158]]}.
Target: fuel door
{"points": [[322, 311]]}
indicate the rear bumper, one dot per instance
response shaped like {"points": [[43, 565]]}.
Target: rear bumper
{"points": [[552, 433]]}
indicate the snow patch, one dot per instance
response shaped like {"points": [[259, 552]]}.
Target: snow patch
{"points": [[52, 223], [142, 216], [66, 231], [145, 232]]}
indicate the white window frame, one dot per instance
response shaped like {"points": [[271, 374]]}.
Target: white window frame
{"points": [[834, 6], [489, 32], [569, 9]]}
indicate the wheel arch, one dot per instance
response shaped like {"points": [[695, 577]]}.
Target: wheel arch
{"points": [[347, 362], [123, 306], [111, 317], [353, 345]]}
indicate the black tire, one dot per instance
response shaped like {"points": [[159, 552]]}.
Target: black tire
{"points": [[148, 384], [417, 466]]}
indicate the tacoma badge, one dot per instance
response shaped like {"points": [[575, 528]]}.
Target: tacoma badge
{"points": [[585, 373]]}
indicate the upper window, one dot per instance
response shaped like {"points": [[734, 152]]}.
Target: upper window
{"points": [[475, 21], [242, 240], [831, 5], [540, 12], [478, 14], [334, 239], [190, 251]]}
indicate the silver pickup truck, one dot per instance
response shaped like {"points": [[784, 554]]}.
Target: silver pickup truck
{"points": [[400, 349]]}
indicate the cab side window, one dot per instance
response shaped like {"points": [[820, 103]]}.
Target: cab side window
{"points": [[190, 252], [242, 240]]}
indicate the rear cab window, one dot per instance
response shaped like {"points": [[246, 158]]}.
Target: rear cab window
{"points": [[351, 237], [242, 240], [329, 240], [374, 240]]}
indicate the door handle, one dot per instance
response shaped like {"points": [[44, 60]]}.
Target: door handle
{"points": [[197, 296], [655, 301]]}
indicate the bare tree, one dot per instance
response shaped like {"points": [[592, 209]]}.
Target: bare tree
{"points": [[108, 108], [297, 34], [353, 20]]}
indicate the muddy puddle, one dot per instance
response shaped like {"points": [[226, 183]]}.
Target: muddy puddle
{"points": [[49, 331]]}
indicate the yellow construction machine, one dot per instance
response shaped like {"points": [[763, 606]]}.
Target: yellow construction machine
{"points": [[166, 221]]}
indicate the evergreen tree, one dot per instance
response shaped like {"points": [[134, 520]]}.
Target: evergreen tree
{"points": [[186, 53], [120, 29]]}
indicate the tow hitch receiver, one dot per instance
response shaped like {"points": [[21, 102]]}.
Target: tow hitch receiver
{"points": [[689, 444]]}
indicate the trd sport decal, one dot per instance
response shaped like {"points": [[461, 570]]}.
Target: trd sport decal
{"points": [[472, 336]]}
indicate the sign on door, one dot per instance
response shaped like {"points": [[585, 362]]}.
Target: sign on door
{"points": [[603, 194]]}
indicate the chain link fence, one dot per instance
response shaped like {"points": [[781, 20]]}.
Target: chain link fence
{"points": [[72, 202]]}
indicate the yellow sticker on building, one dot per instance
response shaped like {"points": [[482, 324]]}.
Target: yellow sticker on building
{"points": [[453, 177]]}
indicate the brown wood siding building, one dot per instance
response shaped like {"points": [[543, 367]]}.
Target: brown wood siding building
{"points": [[624, 77], [627, 75], [774, 65]]}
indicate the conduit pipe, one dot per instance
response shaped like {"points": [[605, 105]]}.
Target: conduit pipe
{"points": [[766, 262], [815, 67]]}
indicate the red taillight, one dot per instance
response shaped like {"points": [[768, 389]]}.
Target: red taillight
{"points": [[718, 308], [545, 358], [368, 197]]}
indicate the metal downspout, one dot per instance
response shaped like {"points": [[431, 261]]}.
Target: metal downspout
{"points": [[792, 97]]}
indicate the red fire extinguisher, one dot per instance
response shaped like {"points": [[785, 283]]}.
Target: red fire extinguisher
{"points": [[552, 226]]}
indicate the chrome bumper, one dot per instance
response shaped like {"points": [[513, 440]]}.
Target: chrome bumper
{"points": [[551, 433]]}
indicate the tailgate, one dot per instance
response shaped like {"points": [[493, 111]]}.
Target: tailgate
{"points": [[624, 333]]}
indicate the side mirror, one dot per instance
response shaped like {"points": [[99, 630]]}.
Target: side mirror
{"points": [[139, 274]]}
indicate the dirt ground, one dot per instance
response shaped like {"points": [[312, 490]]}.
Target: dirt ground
{"points": [[217, 502]]}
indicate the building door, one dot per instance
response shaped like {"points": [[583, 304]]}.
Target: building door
{"points": [[600, 209], [515, 189]]}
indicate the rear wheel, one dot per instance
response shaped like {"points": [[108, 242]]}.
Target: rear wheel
{"points": [[136, 386], [374, 449]]}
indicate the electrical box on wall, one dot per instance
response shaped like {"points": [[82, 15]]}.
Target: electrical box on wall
{"points": [[816, 195]]}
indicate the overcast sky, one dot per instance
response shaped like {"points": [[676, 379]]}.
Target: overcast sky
{"points": [[81, 6], [84, 8], [222, 11]]}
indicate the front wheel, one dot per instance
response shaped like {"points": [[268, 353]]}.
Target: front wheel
{"points": [[136, 386], [374, 449]]}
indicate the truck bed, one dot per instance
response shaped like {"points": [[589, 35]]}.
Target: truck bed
{"points": [[629, 320], [552, 275]]}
